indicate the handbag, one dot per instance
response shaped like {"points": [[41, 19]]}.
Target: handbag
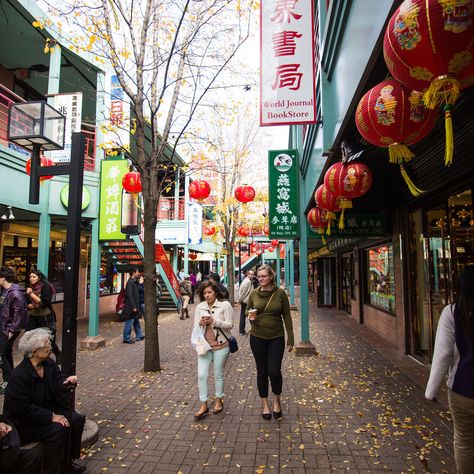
{"points": [[233, 346], [199, 341]]}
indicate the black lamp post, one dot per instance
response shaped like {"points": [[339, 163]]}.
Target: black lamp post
{"points": [[37, 126]]}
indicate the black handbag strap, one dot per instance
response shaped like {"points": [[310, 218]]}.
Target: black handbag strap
{"points": [[223, 333]]}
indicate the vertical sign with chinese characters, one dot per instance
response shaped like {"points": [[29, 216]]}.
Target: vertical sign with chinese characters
{"points": [[195, 224], [283, 194], [110, 208], [70, 105], [287, 74]]}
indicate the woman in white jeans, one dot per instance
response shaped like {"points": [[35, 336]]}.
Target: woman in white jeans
{"points": [[216, 316]]}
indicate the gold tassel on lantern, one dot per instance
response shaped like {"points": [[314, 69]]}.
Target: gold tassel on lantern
{"points": [[448, 126], [341, 220], [330, 216], [344, 204], [445, 89], [411, 185], [399, 153]]}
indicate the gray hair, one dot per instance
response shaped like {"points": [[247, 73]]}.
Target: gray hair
{"points": [[33, 340]]}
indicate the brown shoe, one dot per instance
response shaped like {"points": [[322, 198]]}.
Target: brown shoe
{"points": [[203, 411], [218, 406]]}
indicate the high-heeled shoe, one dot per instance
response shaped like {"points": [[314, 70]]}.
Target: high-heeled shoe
{"points": [[267, 416], [277, 414], [215, 410], [201, 414]]}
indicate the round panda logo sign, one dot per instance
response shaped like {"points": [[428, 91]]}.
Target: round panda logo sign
{"points": [[283, 162]]}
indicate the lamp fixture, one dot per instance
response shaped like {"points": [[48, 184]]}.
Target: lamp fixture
{"points": [[8, 214]]}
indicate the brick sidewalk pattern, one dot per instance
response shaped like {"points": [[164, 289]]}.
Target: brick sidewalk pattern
{"points": [[347, 409]]}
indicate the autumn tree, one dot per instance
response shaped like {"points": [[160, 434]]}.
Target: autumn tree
{"points": [[168, 56]]}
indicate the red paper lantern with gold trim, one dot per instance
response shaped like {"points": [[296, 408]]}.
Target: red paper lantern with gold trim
{"points": [[243, 231], [244, 193], [348, 182], [317, 220], [429, 47], [271, 248], [328, 202], [43, 162], [210, 230], [391, 116], [132, 182], [199, 189]]}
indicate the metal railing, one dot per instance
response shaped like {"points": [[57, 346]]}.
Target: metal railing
{"points": [[8, 97], [170, 209]]}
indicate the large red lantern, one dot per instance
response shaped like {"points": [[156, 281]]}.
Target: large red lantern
{"points": [[317, 220], [199, 189], [392, 116], [132, 182], [429, 47], [243, 231], [43, 162], [348, 182], [244, 193], [328, 202], [275, 242]]}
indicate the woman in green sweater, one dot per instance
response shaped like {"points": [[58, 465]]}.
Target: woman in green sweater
{"points": [[267, 337]]}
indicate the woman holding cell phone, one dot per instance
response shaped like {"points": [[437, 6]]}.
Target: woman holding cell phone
{"points": [[216, 316], [269, 310]]}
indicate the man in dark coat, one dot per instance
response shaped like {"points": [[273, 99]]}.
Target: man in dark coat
{"points": [[131, 311]]}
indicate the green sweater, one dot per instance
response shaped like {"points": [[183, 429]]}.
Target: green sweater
{"points": [[269, 324]]}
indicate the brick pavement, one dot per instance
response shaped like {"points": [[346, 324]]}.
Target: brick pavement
{"points": [[348, 409]]}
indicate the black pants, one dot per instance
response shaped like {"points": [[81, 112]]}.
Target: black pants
{"points": [[6, 354], [243, 308], [268, 354], [47, 322], [55, 438], [27, 461]]}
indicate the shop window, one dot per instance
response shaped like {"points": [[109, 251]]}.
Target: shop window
{"points": [[381, 284]]}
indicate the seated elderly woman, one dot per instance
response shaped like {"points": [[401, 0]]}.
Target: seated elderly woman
{"points": [[37, 401]]}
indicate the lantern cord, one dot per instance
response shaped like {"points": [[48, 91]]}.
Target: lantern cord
{"points": [[411, 185], [448, 126], [399, 153], [445, 89], [341, 220]]}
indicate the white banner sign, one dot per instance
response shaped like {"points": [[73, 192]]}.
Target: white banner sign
{"points": [[171, 235], [194, 224], [287, 83], [70, 105]]}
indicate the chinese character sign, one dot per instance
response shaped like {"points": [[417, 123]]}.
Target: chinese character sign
{"points": [[287, 81], [283, 194], [111, 174], [194, 223], [70, 105]]}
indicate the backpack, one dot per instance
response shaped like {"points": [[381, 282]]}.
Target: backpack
{"points": [[120, 302]]}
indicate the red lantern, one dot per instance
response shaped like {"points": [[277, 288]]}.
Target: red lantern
{"points": [[193, 256], [132, 182], [266, 229], [210, 230], [43, 162], [243, 231], [199, 189], [271, 249], [390, 115], [328, 202], [317, 220], [428, 47], [348, 182], [275, 242], [244, 193]]}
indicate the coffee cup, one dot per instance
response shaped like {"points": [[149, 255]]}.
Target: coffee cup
{"points": [[252, 314]]}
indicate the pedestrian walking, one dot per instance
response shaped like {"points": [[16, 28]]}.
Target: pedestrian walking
{"points": [[185, 290], [454, 353], [267, 337], [244, 292], [192, 279], [216, 317], [141, 294], [40, 310], [13, 319], [131, 311], [223, 290]]}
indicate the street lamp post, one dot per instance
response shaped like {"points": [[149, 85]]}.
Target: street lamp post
{"points": [[36, 126]]}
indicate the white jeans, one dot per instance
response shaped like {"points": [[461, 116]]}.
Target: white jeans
{"points": [[219, 358]]}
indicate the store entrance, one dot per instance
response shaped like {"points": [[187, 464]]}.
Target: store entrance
{"points": [[346, 283], [442, 244]]}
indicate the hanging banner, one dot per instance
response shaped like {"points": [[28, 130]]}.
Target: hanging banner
{"points": [[287, 74], [194, 223], [70, 105], [110, 206], [283, 194]]}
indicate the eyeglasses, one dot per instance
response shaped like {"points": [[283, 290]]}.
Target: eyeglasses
{"points": [[263, 276]]}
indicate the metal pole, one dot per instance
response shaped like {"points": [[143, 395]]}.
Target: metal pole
{"points": [[34, 178], [73, 248], [240, 263]]}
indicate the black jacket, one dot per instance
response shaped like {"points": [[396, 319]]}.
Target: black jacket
{"points": [[132, 300], [25, 403]]}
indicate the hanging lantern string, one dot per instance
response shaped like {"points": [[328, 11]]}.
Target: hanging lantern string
{"points": [[411, 185]]}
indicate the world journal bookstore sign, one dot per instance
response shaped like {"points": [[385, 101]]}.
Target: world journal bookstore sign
{"points": [[287, 74], [283, 194], [110, 206]]}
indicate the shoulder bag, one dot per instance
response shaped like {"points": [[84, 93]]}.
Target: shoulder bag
{"points": [[233, 346]]}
